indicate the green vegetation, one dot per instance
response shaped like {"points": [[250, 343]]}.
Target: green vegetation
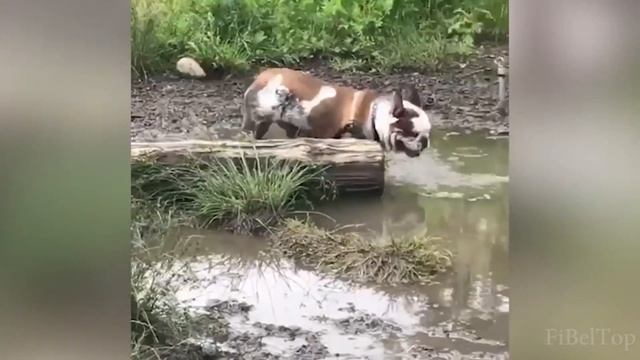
{"points": [[379, 34], [245, 197], [159, 326], [349, 254]]}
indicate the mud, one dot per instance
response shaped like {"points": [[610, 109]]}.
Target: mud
{"points": [[229, 307], [459, 95], [227, 342]]}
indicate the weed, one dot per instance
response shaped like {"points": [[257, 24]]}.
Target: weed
{"points": [[235, 35], [159, 325], [245, 196], [351, 255]]}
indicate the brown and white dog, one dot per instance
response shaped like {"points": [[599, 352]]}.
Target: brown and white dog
{"points": [[305, 106]]}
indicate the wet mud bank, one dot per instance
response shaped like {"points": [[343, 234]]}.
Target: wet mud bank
{"points": [[461, 95]]}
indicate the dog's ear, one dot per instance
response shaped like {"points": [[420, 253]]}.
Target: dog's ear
{"points": [[411, 93], [397, 108]]}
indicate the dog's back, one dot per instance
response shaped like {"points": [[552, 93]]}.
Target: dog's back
{"points": [[298, 102]]}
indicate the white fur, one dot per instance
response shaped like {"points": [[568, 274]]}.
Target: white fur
{"points": [[325, 92], [367, 129], [384, 119], [268, 99], [421, 124]]}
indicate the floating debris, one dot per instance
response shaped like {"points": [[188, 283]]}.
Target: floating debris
{"points": [[481, 197], [444, 195]]}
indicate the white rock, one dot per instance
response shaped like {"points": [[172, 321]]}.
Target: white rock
{"points": [[188, 66]]}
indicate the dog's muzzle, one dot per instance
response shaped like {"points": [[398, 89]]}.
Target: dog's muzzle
{"points": [[424, 142], [419, 144]]}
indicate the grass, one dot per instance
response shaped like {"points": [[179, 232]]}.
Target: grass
{"points": [[249, 196], [373, 34], [159, 326], [349, 254]]}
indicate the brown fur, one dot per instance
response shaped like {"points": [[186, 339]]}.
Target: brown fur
{"points": [[332, 117]]}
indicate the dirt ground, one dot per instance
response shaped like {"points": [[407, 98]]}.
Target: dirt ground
{"points": [[460, 95]]}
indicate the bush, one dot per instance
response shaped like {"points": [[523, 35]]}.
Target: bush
{"points": [[383, 34]]}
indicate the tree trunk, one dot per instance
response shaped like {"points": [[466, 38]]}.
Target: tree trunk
{"points": [[355, 166]]}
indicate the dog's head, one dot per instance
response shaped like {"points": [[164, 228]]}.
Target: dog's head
{"points": [[402, 124]]}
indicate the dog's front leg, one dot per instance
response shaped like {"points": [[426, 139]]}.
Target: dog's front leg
{"points": [[350, 128], [261, 128], [291, 130]]}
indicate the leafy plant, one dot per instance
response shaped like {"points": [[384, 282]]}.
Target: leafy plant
{"points": [[235, 35]]}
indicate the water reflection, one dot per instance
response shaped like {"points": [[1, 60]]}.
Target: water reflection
{"points": [[465, 313]]}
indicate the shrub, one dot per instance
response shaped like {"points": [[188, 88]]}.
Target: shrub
{"points": [[383, 34]]}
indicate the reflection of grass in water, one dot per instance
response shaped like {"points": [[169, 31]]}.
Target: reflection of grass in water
{"points": [[159, 325], [265, 262], [349, 254]]}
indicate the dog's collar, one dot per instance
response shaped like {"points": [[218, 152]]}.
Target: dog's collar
{"points": [[372, 121]]}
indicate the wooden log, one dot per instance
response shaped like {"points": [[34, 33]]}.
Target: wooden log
{"points": [[354, 165]]}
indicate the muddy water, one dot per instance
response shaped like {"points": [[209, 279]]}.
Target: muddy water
{"points": [[456, 191]]}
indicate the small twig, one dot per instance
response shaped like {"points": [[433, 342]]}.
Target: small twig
{"points": [[472, 73]]}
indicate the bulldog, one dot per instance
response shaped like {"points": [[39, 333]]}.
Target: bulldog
{"points": [[305, 106]]}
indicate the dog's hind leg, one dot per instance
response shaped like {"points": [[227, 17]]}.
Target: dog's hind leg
{"points": [[248, 104]]}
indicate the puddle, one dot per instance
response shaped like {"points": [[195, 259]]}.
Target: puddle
{"points": [[457, 191]]}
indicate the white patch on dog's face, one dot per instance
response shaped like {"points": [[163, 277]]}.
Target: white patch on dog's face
{"points": [[402, 126], [421, 123]]}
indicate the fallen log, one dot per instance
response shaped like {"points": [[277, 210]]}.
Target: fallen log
{"points": [[354, 165]]}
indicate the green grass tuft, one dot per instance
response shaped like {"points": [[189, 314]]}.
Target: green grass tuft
{"points": [[245, 197], [349, 254]]}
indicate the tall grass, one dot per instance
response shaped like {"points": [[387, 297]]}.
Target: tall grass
{"points": [[245, 196], [160, 327], [383, 34]]}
